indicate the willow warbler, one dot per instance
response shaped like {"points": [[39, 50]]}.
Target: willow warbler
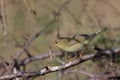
{"points": [[64, 45]]}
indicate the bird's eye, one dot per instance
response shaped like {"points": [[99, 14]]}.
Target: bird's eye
{"points": [[56, 42]]}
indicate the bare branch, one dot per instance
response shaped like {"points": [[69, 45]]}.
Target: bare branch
{"points": [[49, 69], [46, 55], [58, 12], [30, 40], [108, 76], [39, 57], [4, 64], [4, 24], [79, 71], [32, 37], [72, 15], [37, 34]]}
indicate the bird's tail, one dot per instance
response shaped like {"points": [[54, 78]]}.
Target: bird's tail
{"points": [[93, 35], [100, 31]]}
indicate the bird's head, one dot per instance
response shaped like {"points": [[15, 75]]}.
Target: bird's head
{"points": [[60, 42]]}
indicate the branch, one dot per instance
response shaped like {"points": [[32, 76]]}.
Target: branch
{"points": [[59, 10], [46, 55], [32, 37], [44, 71], [72, 15], [38, 33], [28, 43], [49, 69], [106, 76], [4, 24], [38, 57]]}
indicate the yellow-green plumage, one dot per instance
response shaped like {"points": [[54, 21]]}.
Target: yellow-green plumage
{"points": [[71, 48], [65, 46]]}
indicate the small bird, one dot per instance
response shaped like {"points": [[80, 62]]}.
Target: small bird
{"points": [[64, 45]]}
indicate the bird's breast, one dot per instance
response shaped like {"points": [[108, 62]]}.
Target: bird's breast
{"points": [[73, 48]]}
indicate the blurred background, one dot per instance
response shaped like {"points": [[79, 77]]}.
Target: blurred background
{"points": [[24, 18]]}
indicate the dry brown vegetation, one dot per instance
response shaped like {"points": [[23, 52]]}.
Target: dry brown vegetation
{"points": [[29, 27]]}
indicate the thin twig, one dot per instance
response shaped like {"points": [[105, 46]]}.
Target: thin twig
{"points": [[4, 24], [59, 10], [46, 55], [5, 64], [49, 69], [33, 37], [73, 16]]}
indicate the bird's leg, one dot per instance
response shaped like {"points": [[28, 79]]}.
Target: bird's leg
{"points": [[78, 55], [59, 60], [81, 53], [112, 56], [73, 58]]}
